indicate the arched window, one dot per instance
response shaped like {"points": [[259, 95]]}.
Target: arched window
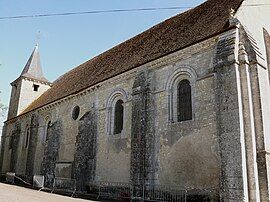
{"points": [[184, 101], [27, 138], [181, 88], [118, 117], [116, 113], [47, 131]]}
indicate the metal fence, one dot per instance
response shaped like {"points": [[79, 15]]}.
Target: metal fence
{"points": [[164, 193], [65, 184], [126, 192], [116, 191]]}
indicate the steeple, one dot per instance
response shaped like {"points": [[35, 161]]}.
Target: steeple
{"points": [[33, 69], [29, 86]]}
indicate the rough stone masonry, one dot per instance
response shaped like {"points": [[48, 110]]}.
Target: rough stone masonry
{"points": [[211, 62]]}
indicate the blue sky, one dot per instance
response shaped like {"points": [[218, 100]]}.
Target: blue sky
{"points": [[69, 41]]}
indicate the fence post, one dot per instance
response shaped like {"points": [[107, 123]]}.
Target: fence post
{"points": [[143, 194], [74, 188], [53, 185]]}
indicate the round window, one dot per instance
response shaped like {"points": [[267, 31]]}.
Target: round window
{"points": [[76, 112]]}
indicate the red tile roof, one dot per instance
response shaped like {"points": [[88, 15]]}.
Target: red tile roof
{"points": [[178, 32]]}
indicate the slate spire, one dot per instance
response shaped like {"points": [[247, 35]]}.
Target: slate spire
{"points": [[33, 69]]}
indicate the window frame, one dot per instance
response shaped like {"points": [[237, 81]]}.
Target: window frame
{"points": [[116, 95], [183, 102], [116, 123], [75, 112], [48, 124], [179, 74], [27, 137]]}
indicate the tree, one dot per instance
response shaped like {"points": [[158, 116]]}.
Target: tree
{"points": [[3, 115]]}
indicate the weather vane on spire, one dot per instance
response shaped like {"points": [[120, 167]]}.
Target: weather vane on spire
{"points": [[37, 38]]}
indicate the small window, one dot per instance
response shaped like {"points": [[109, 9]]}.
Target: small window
{"points": [[27, 137], [11, 141], [184, 101], [47, 131], [116, 113], [118, 117], [36, 87], [75, 112]]}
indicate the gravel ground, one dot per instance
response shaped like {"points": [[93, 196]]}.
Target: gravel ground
{"points": [[10, 193]]}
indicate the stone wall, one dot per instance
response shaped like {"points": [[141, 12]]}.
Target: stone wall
{"points": [[23, 95], [86, 148], [229, 98], [3, 143], [29, 172], [257, 53], [206, 153], [165, 149], [51, 152], [14, 141], [143, 148]]}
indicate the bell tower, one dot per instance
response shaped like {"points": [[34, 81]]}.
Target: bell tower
{"points": [[28, 86]]}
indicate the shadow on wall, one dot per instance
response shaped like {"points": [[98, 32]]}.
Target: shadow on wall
{"points": [[191, 162]]}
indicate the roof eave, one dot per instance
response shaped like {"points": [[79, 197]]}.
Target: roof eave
{"points": [[225, 30]]}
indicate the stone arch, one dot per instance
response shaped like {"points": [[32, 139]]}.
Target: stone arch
{"points": [[115, 96], [182, 73]]}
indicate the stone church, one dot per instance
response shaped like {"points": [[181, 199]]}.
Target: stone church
{"points": [[185, 105]]}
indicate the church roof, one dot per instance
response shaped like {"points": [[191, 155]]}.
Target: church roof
{"points": [[33, 69], [176, 33]]}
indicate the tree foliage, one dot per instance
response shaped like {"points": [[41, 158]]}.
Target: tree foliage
{"points": [[3, 115]]}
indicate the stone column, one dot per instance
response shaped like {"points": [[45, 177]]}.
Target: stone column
{"points": [[51, 152], [143, 156], [29, 172], [256, 86], [233, 178], [86, 148], [249, 126], [15, 144], [260, 139], [3, 142]]}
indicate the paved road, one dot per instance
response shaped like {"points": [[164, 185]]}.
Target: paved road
{"points": [[10, 193]]}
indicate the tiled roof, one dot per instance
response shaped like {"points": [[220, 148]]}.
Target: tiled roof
{"points": [[178, 32]]}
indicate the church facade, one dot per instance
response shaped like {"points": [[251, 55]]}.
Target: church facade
{"points": [[185, 104]]}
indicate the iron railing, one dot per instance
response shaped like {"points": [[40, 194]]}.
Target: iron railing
{"points": [[116, 190], [164, 193], [64, 184], [126, 191]]}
